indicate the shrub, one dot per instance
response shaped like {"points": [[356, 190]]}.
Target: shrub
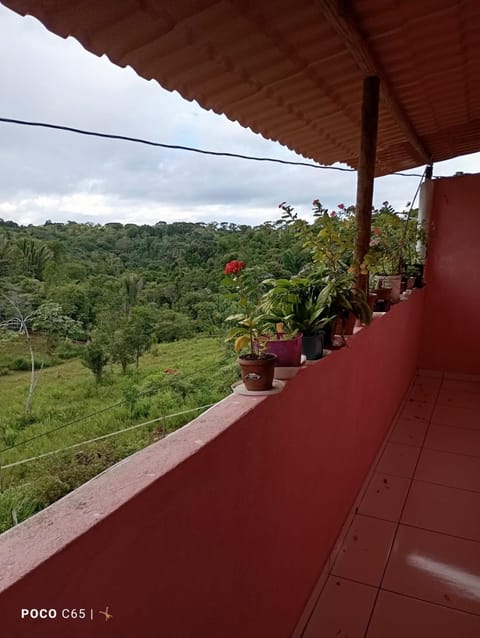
{"points": [[172, 326], [95, 359], [72, 469], [23, 365], [9, 436], [26, 419], [135, 407], [68, 351], [20, 364], [16, 504]]}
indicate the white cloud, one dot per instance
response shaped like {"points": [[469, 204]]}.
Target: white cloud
{"points": [[57, 175]]}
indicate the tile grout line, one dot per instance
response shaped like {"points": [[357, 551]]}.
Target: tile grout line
{"points": [[326, 572], [409, 525], [457, 427], [429, 602], [368, 480], [435, 449], [379, 589], [451, 487], [403, 595], [435, 531]]}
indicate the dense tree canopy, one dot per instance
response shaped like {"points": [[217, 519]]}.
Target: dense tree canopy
{"points": [[168, 273]]}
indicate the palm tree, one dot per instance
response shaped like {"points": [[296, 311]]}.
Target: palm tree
{"points": [[132, 285]]}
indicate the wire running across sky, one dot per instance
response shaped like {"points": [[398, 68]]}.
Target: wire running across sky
{"points": [[191, 149]]}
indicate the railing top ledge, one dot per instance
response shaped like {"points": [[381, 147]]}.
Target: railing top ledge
{"points": [[52, 529]]}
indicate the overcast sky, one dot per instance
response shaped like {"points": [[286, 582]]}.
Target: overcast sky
{"points": [[61, 176]]}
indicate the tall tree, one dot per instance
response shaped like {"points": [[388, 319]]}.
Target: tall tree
{"points": [[16, 310], [35, 257], [132, 285]]}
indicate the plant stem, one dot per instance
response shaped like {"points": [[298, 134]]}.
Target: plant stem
{"points": [[32, 373]]}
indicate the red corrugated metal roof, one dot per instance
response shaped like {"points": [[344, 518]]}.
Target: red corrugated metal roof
{"points": [[281, 68]]}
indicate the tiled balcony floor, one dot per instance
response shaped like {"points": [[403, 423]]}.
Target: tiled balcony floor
{"points": [[408, 566]]}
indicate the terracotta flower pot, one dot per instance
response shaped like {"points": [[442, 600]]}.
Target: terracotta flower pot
{"points": [[410, 283], [382, 302], [345, 326], [257, 373], [389, 281], [372, 300], [383, 294]]}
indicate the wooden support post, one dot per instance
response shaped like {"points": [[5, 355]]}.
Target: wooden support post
{"points": [[366, 172]]}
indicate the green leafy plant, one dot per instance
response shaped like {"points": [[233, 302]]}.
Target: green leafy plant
{"points": [[329, 239], [312, 302], [346, 298], [248, 333], [302, 303], [95, 359], [393, 243]]}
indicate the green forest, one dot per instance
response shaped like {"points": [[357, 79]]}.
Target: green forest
{"points": [[107, 327], [91, 270], [126, 325]]}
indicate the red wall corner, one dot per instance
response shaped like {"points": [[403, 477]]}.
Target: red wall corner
{"points": [[451, 335]]}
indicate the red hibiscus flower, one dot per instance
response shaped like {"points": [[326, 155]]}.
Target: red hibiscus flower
{"points": [[341, 206], [315, 202], [376, 231], [233, 267]]}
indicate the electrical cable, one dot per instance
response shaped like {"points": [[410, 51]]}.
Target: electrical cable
{"points": [[92, 414], [191, 149], [105, 436], [412, 203]]}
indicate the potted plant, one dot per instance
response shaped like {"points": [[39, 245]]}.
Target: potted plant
{"points": [[287, 345], [303, 304], [248, 333], [348, 303], [392, 247], [329, 239]]}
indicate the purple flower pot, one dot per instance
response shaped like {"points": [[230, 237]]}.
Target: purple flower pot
{"points": [[288, 351]]}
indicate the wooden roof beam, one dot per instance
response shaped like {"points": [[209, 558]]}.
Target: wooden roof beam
{"points": [[340, 17]]}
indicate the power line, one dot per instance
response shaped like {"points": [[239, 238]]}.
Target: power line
{"points": [[92, 414], [105, 436], [412, 203], [64, 425], [416, 192], [191, 149]]}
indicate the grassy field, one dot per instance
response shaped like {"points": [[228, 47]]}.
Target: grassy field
{"points": [[171, 378]]}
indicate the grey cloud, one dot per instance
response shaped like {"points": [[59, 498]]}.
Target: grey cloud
{"points": [[54, 80]]}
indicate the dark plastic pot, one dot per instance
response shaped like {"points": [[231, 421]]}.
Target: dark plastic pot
{"points": [[312, 346], [288, 351], [419, 283]]}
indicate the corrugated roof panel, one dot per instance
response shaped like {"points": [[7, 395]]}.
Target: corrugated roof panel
{"points": [[280, 67]]}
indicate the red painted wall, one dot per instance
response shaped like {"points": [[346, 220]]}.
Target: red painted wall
{"points": [[230, 542], [451, 336]]}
